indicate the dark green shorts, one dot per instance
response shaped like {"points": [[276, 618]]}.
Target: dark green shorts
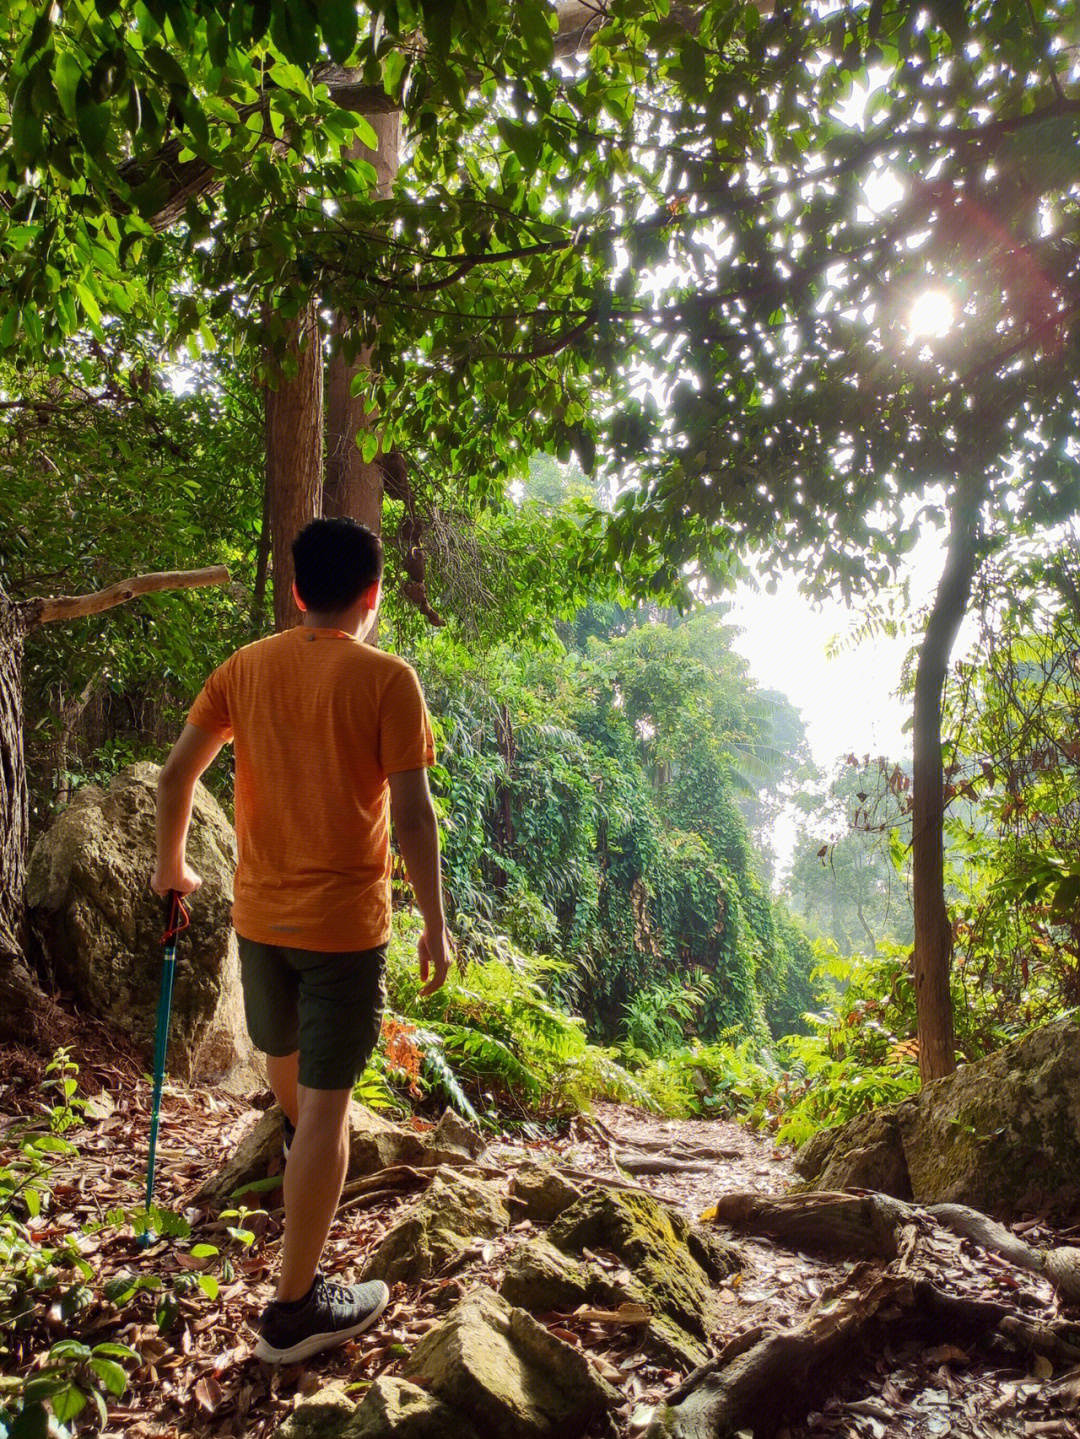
{"points": [[327, 1006]]}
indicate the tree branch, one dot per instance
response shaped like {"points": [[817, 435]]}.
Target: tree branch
{"points": [[66, 607]]}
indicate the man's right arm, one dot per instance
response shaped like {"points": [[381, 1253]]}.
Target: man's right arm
{"points": [[416, 828]]}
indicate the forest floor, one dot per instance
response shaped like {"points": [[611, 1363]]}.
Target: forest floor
{"points": [[200, 1379]]}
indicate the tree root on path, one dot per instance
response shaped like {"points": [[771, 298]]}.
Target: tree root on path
{"points": [[763, 1377]]}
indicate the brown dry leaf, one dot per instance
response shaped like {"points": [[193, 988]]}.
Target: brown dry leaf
{"points": [[625, 1314], [189, 1261], [946, 1354], [1043, 1367], [208, 1393], [566, 1335]]}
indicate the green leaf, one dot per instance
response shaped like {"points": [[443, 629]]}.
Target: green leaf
{"points": [[117, 1351], [203, 1251], [67, 73], [111, 1374], [68, 1403], [340, 22], [92, 123], [209, 1285]]}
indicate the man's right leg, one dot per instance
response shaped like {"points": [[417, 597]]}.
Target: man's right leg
{"points": [[313, 1178]]}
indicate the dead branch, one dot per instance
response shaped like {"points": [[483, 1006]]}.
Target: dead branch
{"points": [[66, 607]]}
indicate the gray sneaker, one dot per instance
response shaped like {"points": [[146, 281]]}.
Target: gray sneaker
{"points": [[331, 1314]]}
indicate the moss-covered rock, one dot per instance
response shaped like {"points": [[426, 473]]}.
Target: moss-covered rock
{"points": [[541, 1278], [506, 1374], [453, 1212], [866, 1153], [541, 1192], [992, 1135], [652, 1241], [323, 1416], [395, 1409], [669, 1264]]}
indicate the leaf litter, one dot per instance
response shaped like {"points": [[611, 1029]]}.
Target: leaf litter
{"points": [[199, 1378]]}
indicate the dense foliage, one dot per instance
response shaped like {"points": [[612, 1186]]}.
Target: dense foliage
{"points": [[592, 810]]}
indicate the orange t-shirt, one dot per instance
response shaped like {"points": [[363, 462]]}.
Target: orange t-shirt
{"points": [[319, 720]]}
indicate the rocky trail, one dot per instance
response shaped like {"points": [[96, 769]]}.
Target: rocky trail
{"points": [[596, 1231]]}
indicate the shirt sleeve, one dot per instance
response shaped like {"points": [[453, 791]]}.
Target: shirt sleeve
{"points": [[211, 712], [405, 738]]}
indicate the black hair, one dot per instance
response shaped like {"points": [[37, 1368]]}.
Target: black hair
{"points": [[335, 561]]}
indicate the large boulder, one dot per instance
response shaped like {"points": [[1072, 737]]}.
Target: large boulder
{"points": [[451, 1215], [100, 926], [507, 1374], [996, 1135]]}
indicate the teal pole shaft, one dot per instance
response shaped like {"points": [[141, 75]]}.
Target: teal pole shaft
{"points": [[161, 1038]]}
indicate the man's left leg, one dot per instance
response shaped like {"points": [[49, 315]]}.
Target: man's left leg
{"points": [[340, 1011], [318, 1156], [281, 1071]]}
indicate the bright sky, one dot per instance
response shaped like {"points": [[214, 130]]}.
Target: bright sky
{"points": [[849, 702]]}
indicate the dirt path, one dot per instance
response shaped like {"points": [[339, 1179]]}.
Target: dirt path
{"points": [[200, 1378]]}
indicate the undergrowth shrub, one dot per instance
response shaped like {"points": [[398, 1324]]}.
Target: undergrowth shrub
{"points": [[491, 1041], [857, 1054]]}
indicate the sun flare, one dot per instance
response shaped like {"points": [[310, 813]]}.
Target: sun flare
{"points": [[931, 316]]}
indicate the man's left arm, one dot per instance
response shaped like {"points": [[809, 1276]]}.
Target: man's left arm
{"points": [[189, 757]]}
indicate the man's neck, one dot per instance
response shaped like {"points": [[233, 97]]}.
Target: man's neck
{"points": [[349, 623]]}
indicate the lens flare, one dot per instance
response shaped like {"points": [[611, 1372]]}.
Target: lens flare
{"points": [[931, 316]]}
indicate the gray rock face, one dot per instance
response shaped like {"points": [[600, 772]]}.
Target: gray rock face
{"points": [[90, 902], [541, 1193], [993, 1135], [506, 1374], [395, 1409], [453, 1212]]}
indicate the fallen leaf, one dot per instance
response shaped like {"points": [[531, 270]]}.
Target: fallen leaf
{"points": [[946, 1354], [208, 1393]]}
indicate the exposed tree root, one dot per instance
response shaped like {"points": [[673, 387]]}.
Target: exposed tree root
{"points": [[751, 1385]]}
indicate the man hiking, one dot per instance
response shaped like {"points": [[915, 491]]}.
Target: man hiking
{"points": [[326, 730]]}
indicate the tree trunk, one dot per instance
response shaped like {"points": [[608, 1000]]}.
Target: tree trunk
{"points": [[294, 449], [933, 932], [14, 808], [354, 486]]}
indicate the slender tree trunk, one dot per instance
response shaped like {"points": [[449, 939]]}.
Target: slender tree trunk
{"points": [[294, 449], [933, 932], [14, 809], [262, 558], [354, 486]]}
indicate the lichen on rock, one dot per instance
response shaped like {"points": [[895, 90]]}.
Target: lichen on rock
{"points": [[992, 1135], [506, 1374], [454, 1211]]}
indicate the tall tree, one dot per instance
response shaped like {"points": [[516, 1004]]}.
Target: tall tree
{"points": [[686, 239]]}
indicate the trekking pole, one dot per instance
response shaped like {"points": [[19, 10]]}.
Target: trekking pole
{"points": [[176, 920]]}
